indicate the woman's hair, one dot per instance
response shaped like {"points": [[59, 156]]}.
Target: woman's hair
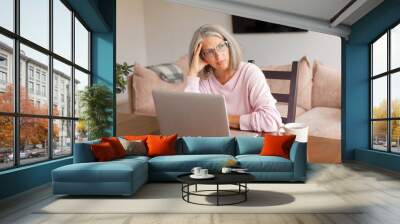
{"points": [[216, 31]]}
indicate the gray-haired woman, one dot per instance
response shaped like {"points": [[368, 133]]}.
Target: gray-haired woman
{"points": [[215, 53]]}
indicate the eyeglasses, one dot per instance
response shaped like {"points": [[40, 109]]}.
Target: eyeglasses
{"points": [[221, 47]]}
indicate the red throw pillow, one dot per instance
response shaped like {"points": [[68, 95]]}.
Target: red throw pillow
{"points": [[103, 151], [159, 145], [277, 145], [116, 145]]}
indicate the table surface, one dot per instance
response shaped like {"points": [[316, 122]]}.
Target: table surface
{"points": [[220, 178]]}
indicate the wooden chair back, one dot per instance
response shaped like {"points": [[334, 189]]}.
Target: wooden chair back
{"points": [[289, 98]]}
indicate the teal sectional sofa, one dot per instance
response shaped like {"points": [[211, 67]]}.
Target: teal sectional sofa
{"points": [[125, 176]]}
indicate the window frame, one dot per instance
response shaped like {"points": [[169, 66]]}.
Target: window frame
{"points": [[388, 74], [16, 114], [3, 77], [3, 71], [5, 58]]}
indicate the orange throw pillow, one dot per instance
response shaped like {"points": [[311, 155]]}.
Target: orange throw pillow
{"points": [[103, 152], [277, 145], [135, 137], [159, 145], [116, 145]]}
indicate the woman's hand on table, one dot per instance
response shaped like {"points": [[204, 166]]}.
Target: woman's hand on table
{"points": [[234, 121]]}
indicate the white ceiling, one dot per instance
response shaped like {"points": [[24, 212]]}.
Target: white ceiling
{"points": [[320, 9], [315, 15]]}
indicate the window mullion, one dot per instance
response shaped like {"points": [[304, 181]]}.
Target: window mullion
{"points": [[50, 81], [371, 137], [389, 92], [89, 53], [73, 82], [16, 70], [389, 106]]}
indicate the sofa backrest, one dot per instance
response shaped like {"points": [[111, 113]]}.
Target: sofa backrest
{"points": [[83, 152], [140, 87], [249, 145], [184, 145], [326, 90], [206, 145]]}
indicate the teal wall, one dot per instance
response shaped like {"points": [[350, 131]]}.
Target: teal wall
{"points": [[103, 62], [100, 17], [379, 159], [24, 178], [355, 70], [104, 53], [356, 100]]}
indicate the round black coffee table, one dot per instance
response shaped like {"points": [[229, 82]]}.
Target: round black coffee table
{"points": [[238, 179]]}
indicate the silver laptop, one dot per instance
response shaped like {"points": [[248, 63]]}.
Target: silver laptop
{"points": [[192, 114]]}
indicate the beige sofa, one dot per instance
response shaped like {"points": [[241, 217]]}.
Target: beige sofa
{"points": [[318, 104], [140, 84]]}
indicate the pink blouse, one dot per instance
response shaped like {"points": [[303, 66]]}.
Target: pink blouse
{"points": [[246, 94]]}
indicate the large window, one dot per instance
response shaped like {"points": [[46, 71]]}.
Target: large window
{"points": [[385, 91], [7, 14], [44, 64]]}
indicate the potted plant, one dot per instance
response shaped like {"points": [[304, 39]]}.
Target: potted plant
{"points": [[81, 130], [96, 102], [123, 70]]}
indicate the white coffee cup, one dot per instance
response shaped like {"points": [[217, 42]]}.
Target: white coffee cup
{"points": [[226, 170], [196, 170], [298, 129], [203, 172]]}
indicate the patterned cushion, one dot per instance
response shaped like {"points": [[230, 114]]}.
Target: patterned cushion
{"points": [[134, 147], [140, 88], [168, 72]]}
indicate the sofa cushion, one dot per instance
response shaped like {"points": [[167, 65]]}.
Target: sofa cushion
{"points": [[323, 122], [249, 145], [283, 109], [130, 158], [277, 145], [103, 152], [135, 137], [257, 163], [111, 171], [134, 147], [168, 72], [185, 163], [326, 91], [206, 145], [140, 87], [116, 145], [161, 145], [304, 86], [183, 63]]}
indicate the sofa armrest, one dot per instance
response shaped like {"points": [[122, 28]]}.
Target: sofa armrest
{"points": [[298, 155], [83, 152]]}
